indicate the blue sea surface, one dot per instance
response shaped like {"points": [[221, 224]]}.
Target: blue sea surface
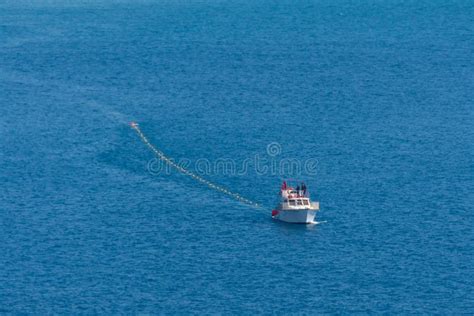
{"points": [[379, 93]]}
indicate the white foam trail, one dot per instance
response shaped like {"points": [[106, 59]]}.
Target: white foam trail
{"points": [[317, 223]]}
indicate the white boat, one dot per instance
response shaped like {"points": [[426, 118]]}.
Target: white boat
{"points": [[295, 205]]}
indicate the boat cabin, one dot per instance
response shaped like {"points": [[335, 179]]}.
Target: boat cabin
{"points": [[295, 202], [294, 199]]}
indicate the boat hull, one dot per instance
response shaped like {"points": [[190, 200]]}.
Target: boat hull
{"points": [[296, 216]]}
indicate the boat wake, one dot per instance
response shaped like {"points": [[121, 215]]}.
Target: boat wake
{"points": [[317, 223]]}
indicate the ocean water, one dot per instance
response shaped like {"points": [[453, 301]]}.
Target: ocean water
{"points": [[378, 93]]}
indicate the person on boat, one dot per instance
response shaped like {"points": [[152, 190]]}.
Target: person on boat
{"points": [[303, 188], [298, 192], [283, 186]]}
